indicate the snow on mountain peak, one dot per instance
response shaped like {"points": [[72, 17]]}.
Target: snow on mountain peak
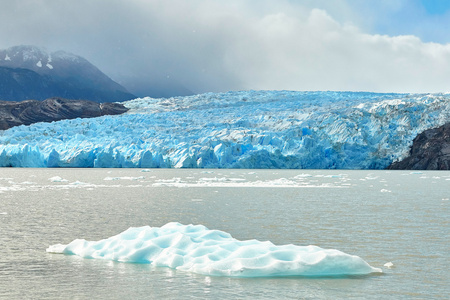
{"points": [[31, 53], [32, 56], [49, 60], [69, 76], [62, 55]]}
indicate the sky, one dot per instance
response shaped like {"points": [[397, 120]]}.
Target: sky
{"points": [[173, 47]]}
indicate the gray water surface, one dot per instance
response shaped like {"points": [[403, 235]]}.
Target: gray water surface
{"points": [[399, 216]]}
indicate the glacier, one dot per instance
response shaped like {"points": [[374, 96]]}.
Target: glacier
{"points": [[195, 248], [244, 129]]}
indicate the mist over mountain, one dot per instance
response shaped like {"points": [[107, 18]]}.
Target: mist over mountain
{"points": [[29, 72], [155, 86]]}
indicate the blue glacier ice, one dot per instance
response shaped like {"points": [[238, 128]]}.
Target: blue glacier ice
{"points": [[248, 129], [195, 248]]}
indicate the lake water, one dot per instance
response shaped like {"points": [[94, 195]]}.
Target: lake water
{"points": [[382, 216]]}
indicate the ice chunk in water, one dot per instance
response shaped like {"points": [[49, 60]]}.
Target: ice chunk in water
{"points": [[57, 179], [197, 249]]}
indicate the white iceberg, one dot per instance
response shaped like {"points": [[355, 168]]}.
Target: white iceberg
{"points": [[195, 248], [57, 179]]}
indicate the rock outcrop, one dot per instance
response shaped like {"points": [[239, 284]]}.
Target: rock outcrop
{"points": [[53, 109], [430, 151]]}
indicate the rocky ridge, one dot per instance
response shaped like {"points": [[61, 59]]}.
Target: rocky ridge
{"points": [[53, 109], [430, 151]]}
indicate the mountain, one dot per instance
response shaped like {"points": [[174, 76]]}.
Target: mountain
{"points": [[430, 151], [250, 129], [53, 109], [29, 72], [19, 84]]}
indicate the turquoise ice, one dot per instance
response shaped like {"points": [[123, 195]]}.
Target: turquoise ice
{"points": [[251, 129], [195, 248]]}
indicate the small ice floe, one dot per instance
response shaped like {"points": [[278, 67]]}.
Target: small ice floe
{"points": [[57, 179], [333, 176], [3, 213], [389, 265], [78, 183], [235, 179], [220, 179], [123, 178], [385, 191], [283, 182], [28, 182], [303, 175], [174, 182]]}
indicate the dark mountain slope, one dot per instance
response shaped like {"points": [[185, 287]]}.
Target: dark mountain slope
{"points": [[18, 84], [53, 109], [61, 75]]}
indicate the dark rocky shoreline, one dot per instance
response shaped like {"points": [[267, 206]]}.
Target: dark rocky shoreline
{"points": [[53, 109], [430, 151]]}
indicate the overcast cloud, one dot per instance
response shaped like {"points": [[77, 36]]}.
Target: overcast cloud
{"points": [[212, 45]]}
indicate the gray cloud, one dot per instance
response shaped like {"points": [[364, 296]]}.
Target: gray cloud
{"points": [[172, 46]]}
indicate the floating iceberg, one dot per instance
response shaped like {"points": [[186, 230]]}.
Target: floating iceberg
{"points": [[195, 248], [251, 129]]}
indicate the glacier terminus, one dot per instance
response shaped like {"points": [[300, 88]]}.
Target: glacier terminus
{"points": [[246, 129]]}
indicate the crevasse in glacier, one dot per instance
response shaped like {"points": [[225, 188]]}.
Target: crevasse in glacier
{"points": [[250, 129], [197, 249]]}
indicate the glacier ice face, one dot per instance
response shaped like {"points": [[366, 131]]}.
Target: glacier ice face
{"points": [[250, 129], [195, 248]]}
